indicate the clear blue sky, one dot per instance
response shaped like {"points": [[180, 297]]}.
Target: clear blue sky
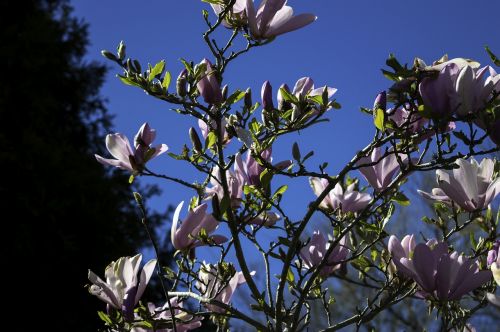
{"points": [[345, 48]]}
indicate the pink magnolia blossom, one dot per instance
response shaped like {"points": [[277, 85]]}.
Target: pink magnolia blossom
{"points": [[274, 18], [439, 93], [471, 186], [265, 219], [473, 91], [349, 200], [442, 275], [314, 252], [183, 321], [237, 14], [249, 170], [213, 285], [412, 121], [122, 289], [495, 269], [126, 158], [493, 253], [212, 125], [380, 174], [235, 182], [184, 235]]}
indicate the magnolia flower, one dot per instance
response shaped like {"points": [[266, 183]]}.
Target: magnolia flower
{"points": [[274, 18], [237, 14], [249, 170], [314, 252], [380, 175], [470, 186], [493, 253], [495, 269], [467, 328], [439, 274], [184, 235], [205, 129], [122, 289], [183, 321], [349, 200], [235, 183], [266, 219], [473, 91], [303, 89], [443, 62], [214, 285], [125, 157], [209, 86], [411, 121], [439, 93]]}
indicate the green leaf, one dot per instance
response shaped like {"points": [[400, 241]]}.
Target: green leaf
{"points": [[265, 178], [390, 76], [318, 99], [287, 96], [187, 65], [401, 199], [105, 318], [393, 63], [493, 57], [388, 215], [289, 276], [175, 156], [235, 97], [210, 140], [379, 119], [129, 81], [225, 204], [144, 324], [166, 80], [156, 70], [214, 2], [280, 191]]}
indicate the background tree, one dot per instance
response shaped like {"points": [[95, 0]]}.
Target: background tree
{"points": [[66, 211]]}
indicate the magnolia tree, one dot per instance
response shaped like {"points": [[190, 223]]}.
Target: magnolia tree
{"points": [[433, 118]]}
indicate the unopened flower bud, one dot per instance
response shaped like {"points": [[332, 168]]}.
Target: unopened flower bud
{"points": [[120, 51], [195, 139], [296, 151], [282, 104], [248, 98], [137, 66], [108, 55], [224, 92], [380, 101], [181, 83], [267, 96]]}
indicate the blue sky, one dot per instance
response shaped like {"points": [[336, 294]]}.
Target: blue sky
{"points": [[345, 48]]}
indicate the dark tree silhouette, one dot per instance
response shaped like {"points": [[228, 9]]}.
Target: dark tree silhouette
{"points": [[62, 211]]}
